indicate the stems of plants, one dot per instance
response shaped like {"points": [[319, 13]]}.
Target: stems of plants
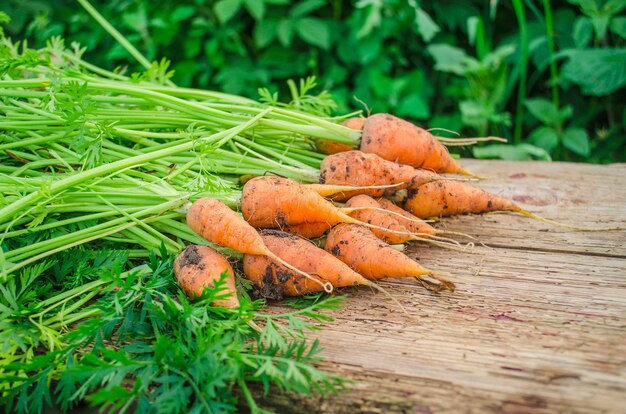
{"points": [[520, 13], [118, 36], [553, 69]]}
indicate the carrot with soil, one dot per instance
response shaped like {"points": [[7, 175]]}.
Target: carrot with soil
{"points": [[275, 202], [220, 225], [360, 249], [415, 224], [393, 230], [199, 267], [357, 168], [273, 280], [400, 141], [450, 198]]}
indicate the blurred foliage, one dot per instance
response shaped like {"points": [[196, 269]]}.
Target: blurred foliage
{"points": [[453, 64]]}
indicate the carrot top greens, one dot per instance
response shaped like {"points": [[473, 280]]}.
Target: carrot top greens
{"points": [[97, 169], [130, 340]]}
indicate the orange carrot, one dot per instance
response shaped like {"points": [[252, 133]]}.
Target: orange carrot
{"points": [[360, 249], [412, 223], [220, 225], [331, 147], [276, 202], [390, 229], [382, 219], [308, 230], [274, 280], [448, 198], [199, 267], [357, 168], [355, 123], [400, 141]]}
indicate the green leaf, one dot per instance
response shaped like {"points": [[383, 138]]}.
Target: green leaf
{"points": [[598, 71], [544, 137], [226, 9], [536, 152], [566, 113], [448, 58], [475, 113], [138, 21], [577, 141], [583, 32], [314, 32], [285, 32], [618, 26], [544, 110], [426, 26], [181, 13], [519, 152], [303, 8], [451, 122], [413, 106], [373, 19], [256, 8], [600, 12], [264, 32]]}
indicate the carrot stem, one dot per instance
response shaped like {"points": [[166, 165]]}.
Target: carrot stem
{"points": [[559, 224]]}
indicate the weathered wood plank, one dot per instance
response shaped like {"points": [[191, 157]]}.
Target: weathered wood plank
{"points": [[536, 325], [531, 331]]}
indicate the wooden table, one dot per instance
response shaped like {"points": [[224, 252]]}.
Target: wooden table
{"points": [[537, 324]]}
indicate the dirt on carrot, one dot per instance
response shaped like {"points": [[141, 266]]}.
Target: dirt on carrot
{"points": [[199, 267], [356, 168], [273, 278], [276, 202], [217, 223], [400, 141], [360, 249], [449, 198]]}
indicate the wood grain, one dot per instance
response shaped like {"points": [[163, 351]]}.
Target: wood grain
{"points": [[537, 324]]}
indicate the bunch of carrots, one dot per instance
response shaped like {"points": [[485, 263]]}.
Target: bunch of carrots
{"points": [[280, 217]]}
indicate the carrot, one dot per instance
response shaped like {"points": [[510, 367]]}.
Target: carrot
{"points": [[198, 267], [382, 219], [452, 198], [400, 141], [274, 280], [355, 123], [302, 254], [412, 223], [391, 229], [276, 202], [308, 230], [328, 147], [449, 198], [415, 224], [360, 249], [220, 225], [331, 147], [357, 168]]}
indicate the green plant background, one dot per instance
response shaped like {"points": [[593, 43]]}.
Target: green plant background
{"points": [[547, 75]]}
